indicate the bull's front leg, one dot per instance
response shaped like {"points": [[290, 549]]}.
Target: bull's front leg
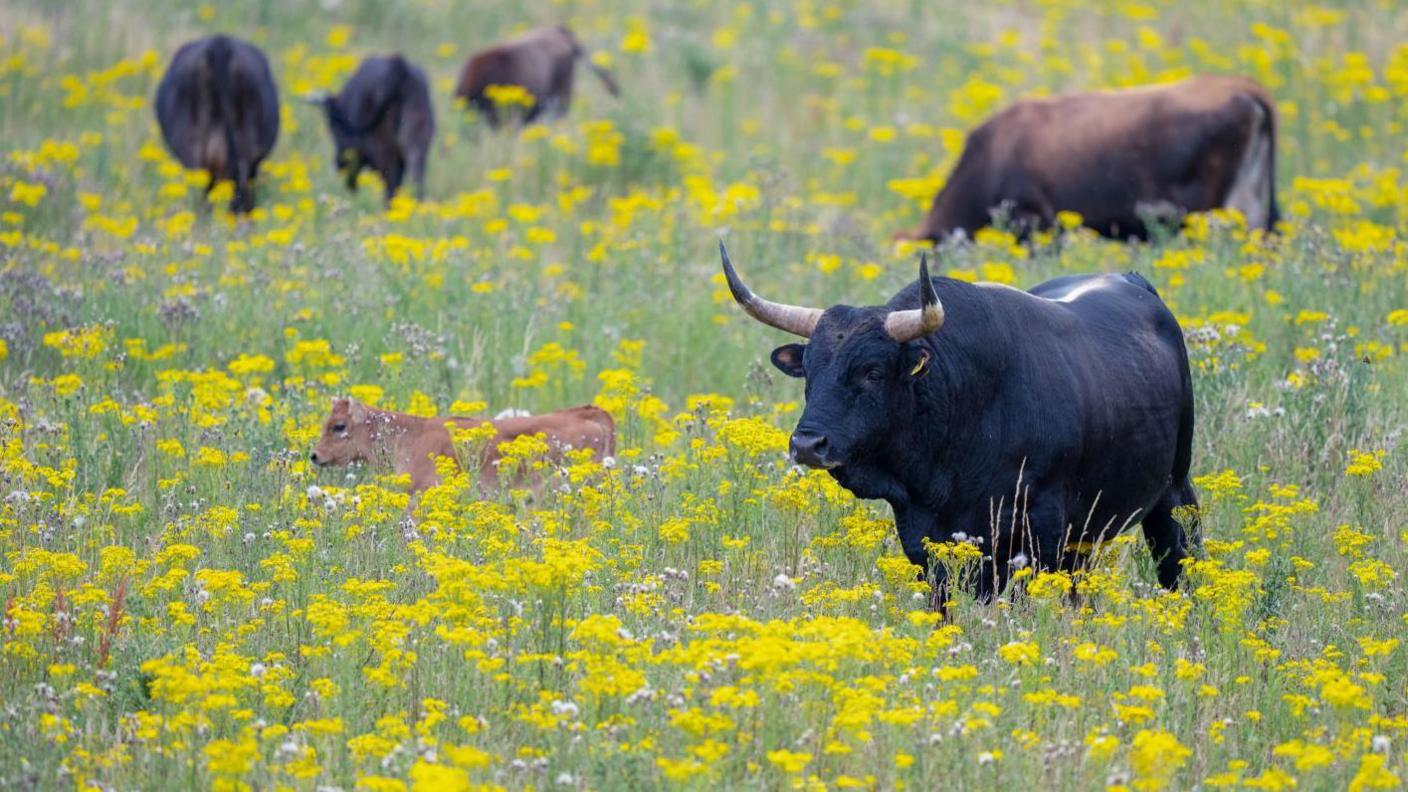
{"points": [[915, 525]]}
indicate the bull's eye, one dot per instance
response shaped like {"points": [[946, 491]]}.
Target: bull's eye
{"points": [[874, 374], [339, 428]]}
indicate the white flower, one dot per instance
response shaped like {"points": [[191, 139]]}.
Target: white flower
{"points": [[1381, 743], [1019, 561], [784, 582], [314, 492], [565, 779], [257, 670]]}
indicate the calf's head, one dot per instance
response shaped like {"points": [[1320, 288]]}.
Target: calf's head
{"points": [[859, 366], [347, 435]]}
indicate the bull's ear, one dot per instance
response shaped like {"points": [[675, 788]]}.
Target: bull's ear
{"points": [[917, 361], [788, 359]]}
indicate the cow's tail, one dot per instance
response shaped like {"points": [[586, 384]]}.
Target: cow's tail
{"points": [[218, 56], [601, 72], [1262, 98]]}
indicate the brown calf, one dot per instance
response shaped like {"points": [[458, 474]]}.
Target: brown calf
{"points": [[1118, 158], [542, 61], [355, 432]]}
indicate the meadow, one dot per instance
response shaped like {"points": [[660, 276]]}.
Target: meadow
{"points": [[188, 603]]}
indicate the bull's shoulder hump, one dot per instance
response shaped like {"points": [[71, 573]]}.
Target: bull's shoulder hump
{"points": [[1070, 288]]}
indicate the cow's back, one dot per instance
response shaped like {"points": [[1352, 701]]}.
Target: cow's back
{"points": [[587, 426], [191, 113]]}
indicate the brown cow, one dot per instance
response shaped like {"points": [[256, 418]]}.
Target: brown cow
{"points": [[382, 119], [1119, 158], [355, 432], [542, 61], [219, 111]]}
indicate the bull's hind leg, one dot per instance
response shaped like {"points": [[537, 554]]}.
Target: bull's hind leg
{"points": [[1163, 530], [1028, 536]]}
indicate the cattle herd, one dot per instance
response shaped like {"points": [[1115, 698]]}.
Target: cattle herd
{"points": [[1034, 424]]}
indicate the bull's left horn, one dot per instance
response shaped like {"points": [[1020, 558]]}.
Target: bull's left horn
{"points": [[791, 318], [918, 322]]}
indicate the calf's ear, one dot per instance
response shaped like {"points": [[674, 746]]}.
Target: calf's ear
{"points": [[357, 412], [788, 359]]}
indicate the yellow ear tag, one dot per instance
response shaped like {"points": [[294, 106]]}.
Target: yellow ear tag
{"points": [[921, 365]]}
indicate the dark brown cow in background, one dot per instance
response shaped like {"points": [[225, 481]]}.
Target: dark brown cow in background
{"points": [[219, 111], [542, 61], [382, 119], [1119, 158]]}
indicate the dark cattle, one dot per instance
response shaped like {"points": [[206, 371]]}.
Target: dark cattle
{"points": [[1037, 423], [382, 119], [1118, 158], [542, 61], [219, 111]]}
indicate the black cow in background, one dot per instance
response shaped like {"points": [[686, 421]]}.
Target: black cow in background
{"points": [[219, 111], [382, 119], [1036, 423]]}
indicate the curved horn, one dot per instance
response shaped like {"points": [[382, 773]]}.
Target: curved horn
{"points": [[918, 322], [792, 318]]}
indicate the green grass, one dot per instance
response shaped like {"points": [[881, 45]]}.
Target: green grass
{"points": [[701, 602]]}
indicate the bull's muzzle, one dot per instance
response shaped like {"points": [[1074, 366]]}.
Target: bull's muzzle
{"points": [[811, 449]]}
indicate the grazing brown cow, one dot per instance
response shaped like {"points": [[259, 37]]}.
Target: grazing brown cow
{"points": [[1119, 158], [382, 119], [219, 110], [542, 61], [355, 432]]}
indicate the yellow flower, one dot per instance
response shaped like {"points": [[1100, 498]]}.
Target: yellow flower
{"points": [[1023, 653], [1364, 463], [509, 96], [790, 762], [27, 193], [1155, 756], [637, 38], [1373, 774]]}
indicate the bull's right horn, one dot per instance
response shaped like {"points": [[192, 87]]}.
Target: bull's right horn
{"points": [[791, 318], [905, 326]]}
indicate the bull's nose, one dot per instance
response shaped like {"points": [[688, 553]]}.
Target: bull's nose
{"points": [[314, 456], [809, 448]]}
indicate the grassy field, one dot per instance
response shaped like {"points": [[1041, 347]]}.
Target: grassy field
{"points": [[189, 604]]}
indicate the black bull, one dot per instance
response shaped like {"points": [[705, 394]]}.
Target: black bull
{"points": [[1035, 423]]}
